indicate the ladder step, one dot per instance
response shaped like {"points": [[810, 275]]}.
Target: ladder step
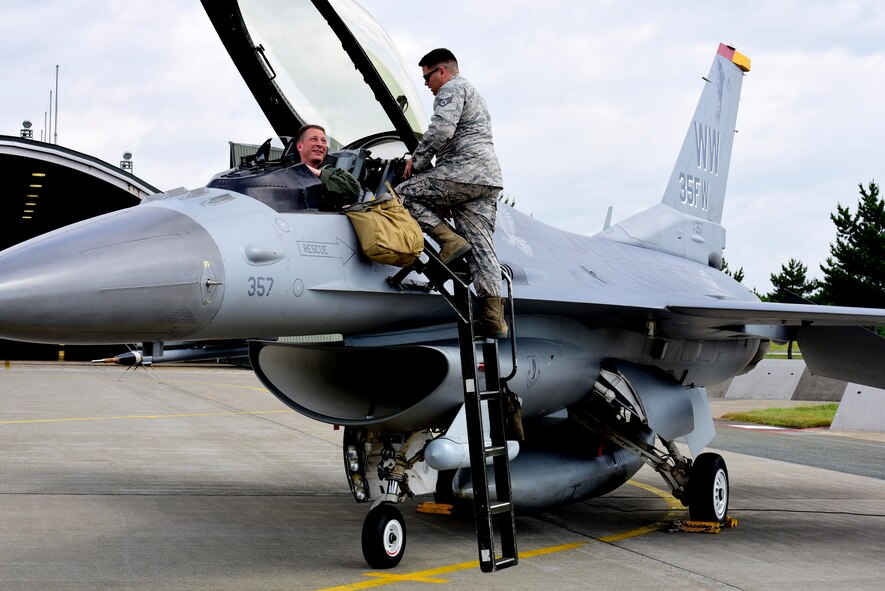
{"points": [[505, 562], [490, 515], [497, 450], [490, 395], [498, 508]]}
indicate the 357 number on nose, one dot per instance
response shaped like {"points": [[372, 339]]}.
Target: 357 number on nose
{"points": [[259, 286]]}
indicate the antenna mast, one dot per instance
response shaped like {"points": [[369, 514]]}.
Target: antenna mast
{"points": [[56, 105]]}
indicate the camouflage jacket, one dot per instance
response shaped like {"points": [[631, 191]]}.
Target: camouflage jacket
{"points": [[460, 136]]}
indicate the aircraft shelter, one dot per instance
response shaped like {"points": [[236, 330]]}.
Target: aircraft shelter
{"points": [[46, 186]]}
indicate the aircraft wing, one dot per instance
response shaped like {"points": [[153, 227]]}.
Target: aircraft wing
{"points": [[710, 319], [729, 314], [833, 339]]}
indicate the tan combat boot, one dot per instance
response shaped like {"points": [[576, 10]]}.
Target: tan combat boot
{"points": [[491, 323], [451, 246]]}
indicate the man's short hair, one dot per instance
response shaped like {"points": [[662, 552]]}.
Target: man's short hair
{"points": [[305, 128], [438, 56]]}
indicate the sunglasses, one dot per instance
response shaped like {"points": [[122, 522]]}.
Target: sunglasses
{"points": [[428, 75]]}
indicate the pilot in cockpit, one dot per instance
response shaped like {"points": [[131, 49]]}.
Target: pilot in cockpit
{"points": [[339, 186]]}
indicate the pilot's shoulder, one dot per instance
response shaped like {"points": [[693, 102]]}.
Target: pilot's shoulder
{"points": [[455, 90]]}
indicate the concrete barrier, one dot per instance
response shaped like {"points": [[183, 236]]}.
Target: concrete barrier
{"points": [[779, 379], [862, 409], [772, 379], [818, 388]]}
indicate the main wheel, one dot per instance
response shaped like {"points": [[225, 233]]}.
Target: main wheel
{"points": [[384, 536], [708, 489]]}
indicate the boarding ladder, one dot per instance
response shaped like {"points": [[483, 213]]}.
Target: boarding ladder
{"points": [[496, 515]]}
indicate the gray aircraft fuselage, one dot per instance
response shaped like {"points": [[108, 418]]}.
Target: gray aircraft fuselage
{"points": [[212, 264]]}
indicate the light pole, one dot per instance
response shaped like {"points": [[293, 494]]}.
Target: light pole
{"points": [[126, 162]]}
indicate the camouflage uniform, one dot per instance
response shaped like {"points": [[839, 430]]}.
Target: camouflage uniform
{"points": [[466, 180]]}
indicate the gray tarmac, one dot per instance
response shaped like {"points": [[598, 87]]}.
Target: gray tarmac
{"points": [[197, 478]]}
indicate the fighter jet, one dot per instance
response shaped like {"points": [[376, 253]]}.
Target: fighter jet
{"points": [[614, 337]]}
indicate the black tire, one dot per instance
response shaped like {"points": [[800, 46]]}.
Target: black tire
{"points": [[708, 489], [384, 536]]}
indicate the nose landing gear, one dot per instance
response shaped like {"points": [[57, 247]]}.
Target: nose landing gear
{"points": [[384, 536], [401, 474]]}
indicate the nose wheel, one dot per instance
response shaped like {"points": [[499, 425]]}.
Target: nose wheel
{"points": [[708, 489], [384, 536]]}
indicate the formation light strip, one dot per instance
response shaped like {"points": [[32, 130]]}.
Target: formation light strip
{"points": [[27, 214]]}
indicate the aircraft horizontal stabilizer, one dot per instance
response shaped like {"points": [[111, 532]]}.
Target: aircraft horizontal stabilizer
{"points": [[848, 353], [833, 339]]}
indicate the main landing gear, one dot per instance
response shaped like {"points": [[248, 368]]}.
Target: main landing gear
{"points": [[707, 491], [701, 485]]}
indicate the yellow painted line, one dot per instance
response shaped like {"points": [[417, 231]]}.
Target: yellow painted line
{"points": [[128, 417], [548, 550], [673, 504], [380, 579]]}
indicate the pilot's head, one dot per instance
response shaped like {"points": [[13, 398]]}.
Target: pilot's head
{"points": [[437, 68], [311, 145]]}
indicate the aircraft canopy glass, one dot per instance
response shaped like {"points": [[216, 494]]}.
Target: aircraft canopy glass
{"points": [[317, 76]]}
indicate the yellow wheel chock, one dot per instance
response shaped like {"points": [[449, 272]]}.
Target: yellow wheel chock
{"points": [[436, 508], [705, 527]]}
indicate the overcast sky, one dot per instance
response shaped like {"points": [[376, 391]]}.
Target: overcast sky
{"points": [[590, 100]]}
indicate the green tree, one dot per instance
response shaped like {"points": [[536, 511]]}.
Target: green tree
{"points": [[854, 274], [737, 275], [792, 279]]}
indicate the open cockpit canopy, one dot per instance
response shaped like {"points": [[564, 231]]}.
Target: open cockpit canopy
{"points": [[323, 62]]}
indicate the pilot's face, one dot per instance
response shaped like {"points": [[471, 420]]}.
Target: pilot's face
{"points": [[434, 77], [312, 148]]}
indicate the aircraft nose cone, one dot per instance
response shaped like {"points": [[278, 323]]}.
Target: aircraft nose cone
{"points": [[140, 274]]}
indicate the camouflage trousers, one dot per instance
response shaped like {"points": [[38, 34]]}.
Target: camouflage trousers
{"points": [[472, 208]]}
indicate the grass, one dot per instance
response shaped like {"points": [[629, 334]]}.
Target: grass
{"points": [[777, 351], [797, 417]]}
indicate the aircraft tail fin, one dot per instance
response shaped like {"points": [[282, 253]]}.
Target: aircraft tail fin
{"points": [[687, 221], [697, 184]]}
